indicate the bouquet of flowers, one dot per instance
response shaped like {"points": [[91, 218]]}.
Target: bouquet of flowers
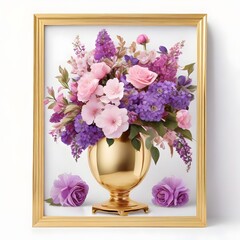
{"points": [[115, 89]]}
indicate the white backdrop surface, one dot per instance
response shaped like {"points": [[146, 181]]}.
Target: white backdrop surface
{"points": [[16, 61], [58, 159]]}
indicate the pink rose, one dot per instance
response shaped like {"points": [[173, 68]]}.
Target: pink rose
{"points": [[140, 77], [87, 85], [100, 70], [142, 39], [184, 119]]}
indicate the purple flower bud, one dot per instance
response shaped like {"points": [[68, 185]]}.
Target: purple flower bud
{"points": [[163, 49], [127, 58], [181, 80]]}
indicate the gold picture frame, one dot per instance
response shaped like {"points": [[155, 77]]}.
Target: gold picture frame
{"points": [[40, 22]]}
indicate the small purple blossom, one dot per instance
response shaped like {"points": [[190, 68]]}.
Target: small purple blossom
{"points": [[170, 192], [183, 81], [131, 59], [184, 150], [104, 46], [69, 190], [163, 50]]}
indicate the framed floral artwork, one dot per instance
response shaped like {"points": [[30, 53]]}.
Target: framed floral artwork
{"points": [[119, 120]]}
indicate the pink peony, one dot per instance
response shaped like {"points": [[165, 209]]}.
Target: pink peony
{"points": [[184, 119], [113, 121], [100, 70], [142, 39], [87, 85], [91, 109], [140, 77], [145, 57], [114, 89]]}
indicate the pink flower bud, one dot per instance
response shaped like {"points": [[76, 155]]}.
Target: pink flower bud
{"points": [[142, 39]]}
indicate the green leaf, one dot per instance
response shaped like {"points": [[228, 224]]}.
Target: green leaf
{"points": [[148, 142], [60, 69], [51, 106], [171, 122], [155, 154], [186, 133], [189, 68], [49, 200], [110, 141], [136, 143], [51, 203], [157, 126], [133, 131], [192, 88]]}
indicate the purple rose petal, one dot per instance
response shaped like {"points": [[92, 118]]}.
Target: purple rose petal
{"points": [[69, 190]]}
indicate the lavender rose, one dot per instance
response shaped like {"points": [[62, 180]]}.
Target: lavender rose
{"points": [[69, 190], [170, 192]]}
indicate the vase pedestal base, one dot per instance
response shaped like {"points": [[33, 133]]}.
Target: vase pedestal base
{"points": [[120, 205]]}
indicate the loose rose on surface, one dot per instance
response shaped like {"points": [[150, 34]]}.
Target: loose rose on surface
{"points": [[117, 88], [170, 192], [68, 190]]}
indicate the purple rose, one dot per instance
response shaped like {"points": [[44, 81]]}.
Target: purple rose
{"points": [[69, 190], [170, 192]]}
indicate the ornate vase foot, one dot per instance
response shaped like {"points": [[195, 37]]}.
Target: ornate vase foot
{"points": [[121, 204]]}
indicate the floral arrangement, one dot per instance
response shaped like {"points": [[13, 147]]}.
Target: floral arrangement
{"points": [[68, 190], [170, 192], [116, 88]]}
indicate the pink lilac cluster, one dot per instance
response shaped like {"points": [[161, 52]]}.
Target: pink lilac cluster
{"points": [[170, 192], [115, 88]]}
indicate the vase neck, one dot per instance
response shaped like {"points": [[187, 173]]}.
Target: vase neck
{"points": [[119, 196]]}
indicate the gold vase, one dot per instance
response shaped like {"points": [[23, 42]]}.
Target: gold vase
{"points": [[119, 168]]}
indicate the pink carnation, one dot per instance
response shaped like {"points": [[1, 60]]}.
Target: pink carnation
{"points": [[91, 109], [87, 85], [113, 121], [114, 89], [145, 57], [184, 119], [140, 77], [100, 70]]}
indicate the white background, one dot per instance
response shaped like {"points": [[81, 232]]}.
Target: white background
{"points": [[16, 60], [58, 158]]}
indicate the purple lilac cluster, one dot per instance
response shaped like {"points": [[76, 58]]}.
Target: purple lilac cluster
{"points": [[87, 135], [181, 99], [104, 46], [150, 105], [69, 133], [56, 117], [184, 150], [165, 67]]}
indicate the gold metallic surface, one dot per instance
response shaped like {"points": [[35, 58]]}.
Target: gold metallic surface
{"points": [[41, 21], [119, 168]]}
